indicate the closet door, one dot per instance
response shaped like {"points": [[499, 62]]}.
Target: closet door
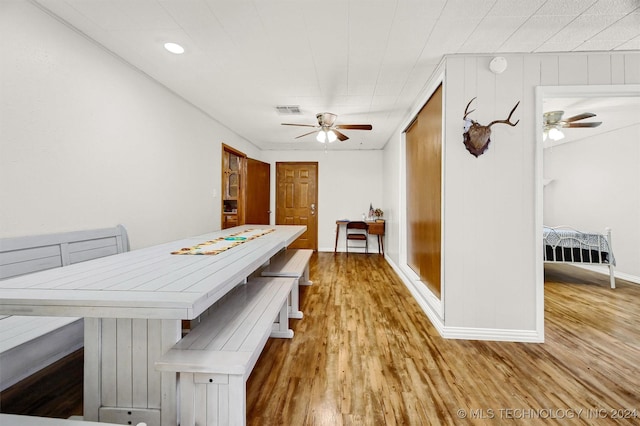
{"points": [[424, 193]]}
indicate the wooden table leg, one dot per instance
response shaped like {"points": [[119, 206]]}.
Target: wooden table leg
{"points": [[335, 248], [380, 244]]}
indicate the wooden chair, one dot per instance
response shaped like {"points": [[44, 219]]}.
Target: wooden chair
{"points": [[358, 231]]}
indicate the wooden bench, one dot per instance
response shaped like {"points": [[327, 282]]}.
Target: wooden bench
{"points": [[215, 359], [17, 420], [30, 343], [295, 264]]}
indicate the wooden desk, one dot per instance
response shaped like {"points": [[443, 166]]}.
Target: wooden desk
{"points": [[133, 304], [375, 228]]}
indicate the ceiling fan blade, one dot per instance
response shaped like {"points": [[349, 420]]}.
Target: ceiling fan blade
{"points": [[580, 117], [593, 124], [301, 125], [340, 135], [298, 137], [354, 126]]}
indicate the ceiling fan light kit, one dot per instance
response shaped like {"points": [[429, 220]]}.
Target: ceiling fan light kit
{"points": [[327, 130], [553, 134], [326, 136], [326, 118]]}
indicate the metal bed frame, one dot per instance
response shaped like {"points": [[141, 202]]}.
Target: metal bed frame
{"points": [[573, 249]]}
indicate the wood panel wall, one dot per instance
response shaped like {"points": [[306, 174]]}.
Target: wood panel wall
{"points": [[424, 183]]}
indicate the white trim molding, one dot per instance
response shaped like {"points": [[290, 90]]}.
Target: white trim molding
{"points": [[604, 270], [432, 307], [504, 335]]}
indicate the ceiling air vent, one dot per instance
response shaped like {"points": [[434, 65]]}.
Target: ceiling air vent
{"points": [[288, 109]]}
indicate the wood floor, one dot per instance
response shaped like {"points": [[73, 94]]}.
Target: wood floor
{"points": [[365, 354]]}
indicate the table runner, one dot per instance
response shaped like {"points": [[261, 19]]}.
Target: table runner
{"points": [[221, 244]]}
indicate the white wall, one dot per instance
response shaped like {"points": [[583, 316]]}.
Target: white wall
{"points": [[86, 141], [489, 246], [393, 167], [596, 184], [348, 181], [492, 275]]}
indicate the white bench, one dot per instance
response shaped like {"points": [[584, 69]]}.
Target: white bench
{"points": [[291, 263], [30, 343], [215, 359], [16, 420]]}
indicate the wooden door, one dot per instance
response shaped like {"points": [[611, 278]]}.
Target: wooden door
{"points": [[297, 200], [257, 194], [424, 183]]}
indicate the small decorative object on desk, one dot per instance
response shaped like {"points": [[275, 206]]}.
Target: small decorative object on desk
{"points": [[378, 213], [370, 211]]}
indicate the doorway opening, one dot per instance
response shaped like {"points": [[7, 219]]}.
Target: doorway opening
{"points": [[587, 179]]}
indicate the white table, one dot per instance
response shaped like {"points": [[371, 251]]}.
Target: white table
{"points": [[133, 304]]}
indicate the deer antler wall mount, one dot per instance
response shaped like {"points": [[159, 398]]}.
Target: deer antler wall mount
{"points": [[477, 136]]}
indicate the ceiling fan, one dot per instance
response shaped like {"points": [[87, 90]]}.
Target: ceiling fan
{"points": [[553, 122], [327, 130]]}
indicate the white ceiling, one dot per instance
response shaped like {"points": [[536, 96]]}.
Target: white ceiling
{"points": [[365, 60]]}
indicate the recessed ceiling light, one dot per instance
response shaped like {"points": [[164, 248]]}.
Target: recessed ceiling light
{"points": [[174, 48]]}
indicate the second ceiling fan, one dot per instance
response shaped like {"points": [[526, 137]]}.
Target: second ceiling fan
{"points": [[327, 130], [554, 121]]}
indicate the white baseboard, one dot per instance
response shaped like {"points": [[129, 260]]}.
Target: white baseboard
{"points": [[503, 335], [429, 304], [434, 310], [604, 270]]}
